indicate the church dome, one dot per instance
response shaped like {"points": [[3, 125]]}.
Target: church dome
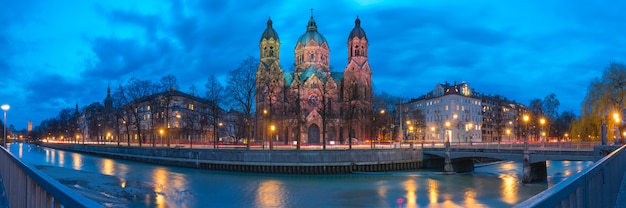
{"points": [[311, 34], [269, 32], [357, 31]]}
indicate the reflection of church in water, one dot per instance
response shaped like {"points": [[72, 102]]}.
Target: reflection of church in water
{"points": [[311, 97]]}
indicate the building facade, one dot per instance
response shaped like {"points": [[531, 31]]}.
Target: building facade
{"points": [[457, 113], [311, 103], [451, 113], [166, 118]]}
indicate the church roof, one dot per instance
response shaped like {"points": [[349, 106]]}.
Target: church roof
{"points": [[308, 72], [288, 78], [336, 76], [311, 34], [269, 32], [357, 31]]}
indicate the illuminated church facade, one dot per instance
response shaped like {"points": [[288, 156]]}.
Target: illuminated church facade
{"points": [[310, 103]]}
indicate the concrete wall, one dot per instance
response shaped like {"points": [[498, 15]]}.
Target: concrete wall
{"points": [[278, 161]]}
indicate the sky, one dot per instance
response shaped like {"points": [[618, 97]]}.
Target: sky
{"points": [[56, 54]]}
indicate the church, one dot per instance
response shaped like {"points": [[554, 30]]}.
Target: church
{"points": [[309, 104]]}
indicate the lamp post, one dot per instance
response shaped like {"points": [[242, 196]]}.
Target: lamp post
{"points": [[526, 164], [616, 126], [5, 108], [272, 128], [542, 122], [161, 134], [217, 134], [447, 168], [264, 131]]}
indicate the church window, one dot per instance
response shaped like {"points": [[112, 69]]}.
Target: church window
{"points": [[272, 51], [312, 57]]}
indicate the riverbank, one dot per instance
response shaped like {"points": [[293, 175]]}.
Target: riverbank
{"points": [[258, 161], [110, 191]]}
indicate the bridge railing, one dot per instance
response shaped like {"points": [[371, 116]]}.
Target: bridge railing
{"points": [[28, 187], [596, 186], [567, 146]]}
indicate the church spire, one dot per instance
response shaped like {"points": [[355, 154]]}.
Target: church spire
{"points": [[109, 90], [108, 101], [311, 27]]}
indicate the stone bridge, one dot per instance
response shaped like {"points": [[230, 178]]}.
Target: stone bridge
{"points": [[462, 158]]}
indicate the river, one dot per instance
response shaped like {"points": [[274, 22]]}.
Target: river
{"points": [[490, 185]]}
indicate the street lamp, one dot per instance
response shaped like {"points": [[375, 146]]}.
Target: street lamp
{"points": [[526, 118], [161, 134], [447, 137], [542, 122], [272, 128], [5, 108], [508, 134]]}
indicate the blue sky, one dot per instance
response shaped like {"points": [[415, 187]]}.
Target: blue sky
{"points": [[55, 54]]}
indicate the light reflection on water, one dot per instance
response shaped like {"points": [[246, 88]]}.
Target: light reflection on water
{"points": [[270, 193], [493, 185]]}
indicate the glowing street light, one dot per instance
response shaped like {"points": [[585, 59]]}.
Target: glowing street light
{"points": [[508, 134], [542, 122], [526, 118], [272, 129], [5, 108]]}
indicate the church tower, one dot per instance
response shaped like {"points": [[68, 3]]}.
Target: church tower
{"points": [[358, 80], [270, 81], [312, 50], [108, 101]]}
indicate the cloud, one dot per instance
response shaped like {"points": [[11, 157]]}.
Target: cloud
{"points": [[512, 49]]}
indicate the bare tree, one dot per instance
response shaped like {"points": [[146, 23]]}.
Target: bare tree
{"points": [[328, 91], [122, 110], [216, 95], [350, 99], [130, 94], [242, 89], [167, 83], [296, 111], [269, 81]]}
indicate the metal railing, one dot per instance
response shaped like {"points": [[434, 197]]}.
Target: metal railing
{"points": [[28, 187], [596, 186]]}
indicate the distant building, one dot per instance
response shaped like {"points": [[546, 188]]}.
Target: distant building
{"points": [[460, 114], [450, 112], [499, 118], [171, 117], [312, 99]]}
